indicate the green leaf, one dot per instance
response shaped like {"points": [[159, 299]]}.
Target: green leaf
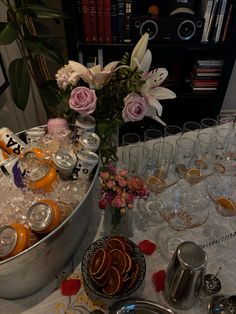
{"points": [[8, 33], [41, 11], [38, 46], [19, 82]]}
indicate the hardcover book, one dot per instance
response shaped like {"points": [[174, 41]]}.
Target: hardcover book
{"points": [[127, 21], [107, 21], [100, 21], [86, 20], [114, 21], [93, 21], [120, 20]]}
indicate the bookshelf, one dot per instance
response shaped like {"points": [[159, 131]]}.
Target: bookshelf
{"points": [[177, 56]]}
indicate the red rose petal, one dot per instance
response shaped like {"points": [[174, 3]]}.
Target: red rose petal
{"points": [[70, 287], [158, 280], [147, 247]]}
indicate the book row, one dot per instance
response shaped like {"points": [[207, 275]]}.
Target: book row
{"points": [[218, 16], [105, 21]]}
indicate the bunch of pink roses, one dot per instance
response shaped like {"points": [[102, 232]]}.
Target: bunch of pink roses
{"points": [[120, 190]]}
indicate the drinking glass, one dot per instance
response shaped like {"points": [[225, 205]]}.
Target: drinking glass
{"points": [[159, 181], [226, 120], [208, 125], [225, 153], [172, 133], [138, 158], [203, 160], [223, 137], [128, 140], [191, 130], [151, 136], [184, 151]]}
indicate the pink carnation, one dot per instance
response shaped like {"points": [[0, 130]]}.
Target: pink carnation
{"points": [[118, 202], [123, 183], [104, 175], [135, 108], [110, 184], [83, 100]]}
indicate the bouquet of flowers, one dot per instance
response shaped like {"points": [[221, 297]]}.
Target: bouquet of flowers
{"points": [[119, 191], [122, 91]]}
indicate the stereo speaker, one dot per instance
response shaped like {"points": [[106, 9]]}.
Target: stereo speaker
{"points": [[183, 6], [169, 29]]}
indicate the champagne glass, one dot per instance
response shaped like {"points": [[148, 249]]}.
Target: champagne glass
{"points": [[159, 180]]}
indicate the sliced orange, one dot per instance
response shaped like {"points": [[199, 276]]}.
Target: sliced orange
{"points": [[115, 282], [119, 260], [128, 262], [226, 202], [116, 242], [194, 172], [153, 180], [98, 262], [181, 169], [134, 275], [201, 164], [219, 168], [103, 273]]}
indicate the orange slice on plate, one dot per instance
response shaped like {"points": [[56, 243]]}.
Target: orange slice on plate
{"points": [[219, 168], [201, 164], [226, 202], [134, 275], [115, 282], [154, 180], [116, 242], [194, 172], [119, 260], [99, 262]]}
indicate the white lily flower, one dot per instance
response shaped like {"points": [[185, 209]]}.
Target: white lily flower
{"points": [[153, 92], [139, 51], [95, 76]]}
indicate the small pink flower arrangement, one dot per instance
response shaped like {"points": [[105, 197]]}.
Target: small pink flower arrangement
{"points": [[120, 190]]}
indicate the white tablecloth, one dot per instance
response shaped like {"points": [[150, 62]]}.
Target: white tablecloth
{"points": [[221, 253]]}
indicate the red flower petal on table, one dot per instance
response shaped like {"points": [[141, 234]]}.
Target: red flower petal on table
{"points": [[70, 287], [158, 280], [147, 247]]}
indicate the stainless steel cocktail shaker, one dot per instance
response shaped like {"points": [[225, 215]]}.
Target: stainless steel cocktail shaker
{"points": [[184, 275]]}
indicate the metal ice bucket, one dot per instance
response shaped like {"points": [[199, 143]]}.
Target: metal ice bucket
{"points": [[29, 271]]}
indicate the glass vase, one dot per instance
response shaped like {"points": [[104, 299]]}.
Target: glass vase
{"points": [[117, 221], [109, 146]]}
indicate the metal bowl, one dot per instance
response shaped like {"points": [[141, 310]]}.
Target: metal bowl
{"points": [[139, 307], [29, 271]]}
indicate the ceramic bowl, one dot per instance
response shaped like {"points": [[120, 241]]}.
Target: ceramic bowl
{"points": [[137, 258]]}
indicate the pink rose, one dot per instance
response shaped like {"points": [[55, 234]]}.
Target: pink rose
{"points": [[135, 107], [83, 100]]}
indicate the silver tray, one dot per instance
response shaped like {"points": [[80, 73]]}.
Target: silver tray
{"points": [[139, 307]]}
